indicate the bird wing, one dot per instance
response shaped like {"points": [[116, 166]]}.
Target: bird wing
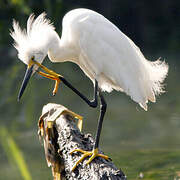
{"points": [[108, 55], [112, 58]]}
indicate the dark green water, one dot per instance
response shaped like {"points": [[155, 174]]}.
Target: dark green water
{"points": [[145, 145]]}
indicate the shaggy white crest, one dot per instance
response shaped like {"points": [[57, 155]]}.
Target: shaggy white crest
{"points": [[33, 40]]}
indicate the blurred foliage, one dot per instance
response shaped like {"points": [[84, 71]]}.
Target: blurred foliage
{"points": [[153, 25], [13, 153]]}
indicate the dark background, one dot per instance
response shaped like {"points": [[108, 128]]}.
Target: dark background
{"points": [[153, 25]]}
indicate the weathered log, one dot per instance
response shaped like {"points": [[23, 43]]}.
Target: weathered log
{"points": [[57, 127]]}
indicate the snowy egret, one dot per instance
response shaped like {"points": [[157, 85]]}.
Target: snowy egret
{"points": [[105, 54]]}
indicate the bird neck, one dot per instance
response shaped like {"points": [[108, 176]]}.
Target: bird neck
{"points": [[60, 51]]}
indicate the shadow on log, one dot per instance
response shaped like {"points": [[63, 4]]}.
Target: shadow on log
{"points": [[61, 135]]}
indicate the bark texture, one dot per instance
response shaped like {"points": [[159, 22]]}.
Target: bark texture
{"points": [[61, 135]]}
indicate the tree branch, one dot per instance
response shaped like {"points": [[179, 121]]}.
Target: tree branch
{"points": [[57, 127]]}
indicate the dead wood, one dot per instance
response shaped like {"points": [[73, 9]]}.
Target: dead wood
{"points": [[61, 135]]}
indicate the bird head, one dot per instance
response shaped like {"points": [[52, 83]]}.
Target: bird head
{"points": [[32, 44]]}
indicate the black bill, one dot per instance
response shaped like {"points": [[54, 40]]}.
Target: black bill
{"points": [[25, 81]]}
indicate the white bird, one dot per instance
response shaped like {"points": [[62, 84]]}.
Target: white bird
{"points": [[105, 54]]}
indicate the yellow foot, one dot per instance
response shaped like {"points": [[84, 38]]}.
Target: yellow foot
{"points": [[50, 72], [93, 154], [50, 75], [57, 81]]}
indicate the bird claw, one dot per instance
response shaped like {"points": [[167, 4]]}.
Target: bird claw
{"points": [[57, 82], [93, 154], [50, 72], [50, 75]]}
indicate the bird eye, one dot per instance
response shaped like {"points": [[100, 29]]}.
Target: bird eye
{"points": [[32, 58]]}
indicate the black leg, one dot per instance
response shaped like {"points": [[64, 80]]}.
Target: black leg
{"points": [[94, 153], [103, 107], [92, 103]]}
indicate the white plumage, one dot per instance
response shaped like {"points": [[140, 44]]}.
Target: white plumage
{"points": [[101, 50]]}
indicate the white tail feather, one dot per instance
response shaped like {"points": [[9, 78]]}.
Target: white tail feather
{"points": [[158, 70]]}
